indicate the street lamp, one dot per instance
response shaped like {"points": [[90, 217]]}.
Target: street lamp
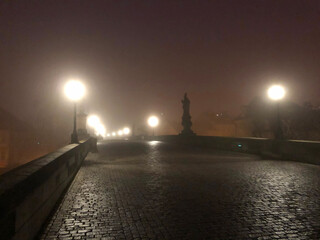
{"points": [[120, 133], [75, 91], [153, 122], [93, 121], [277, 93], [126, 131]]}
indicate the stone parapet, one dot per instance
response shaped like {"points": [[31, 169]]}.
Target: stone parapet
{"points": [[29, 193], [293, 150]]}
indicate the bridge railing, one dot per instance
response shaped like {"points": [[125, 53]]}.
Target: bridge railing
{"points": [[29, 192], [293, 150]]}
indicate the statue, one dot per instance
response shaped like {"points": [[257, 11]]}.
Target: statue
{"points": [[186, 118]]}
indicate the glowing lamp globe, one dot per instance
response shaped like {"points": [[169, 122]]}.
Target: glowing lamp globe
{"points": [[120, 132], [74, 90], [93, 121], [153, 121], [126, 131], [276, 92], [114, 134]]}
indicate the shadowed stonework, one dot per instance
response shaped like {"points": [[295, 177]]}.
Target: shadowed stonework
{"points": [[155, 190]]}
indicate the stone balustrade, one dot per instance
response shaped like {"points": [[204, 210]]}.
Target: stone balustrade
{"points": [[29, 193]]}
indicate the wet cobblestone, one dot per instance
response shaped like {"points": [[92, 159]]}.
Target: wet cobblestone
{"points": [[133, 190]]}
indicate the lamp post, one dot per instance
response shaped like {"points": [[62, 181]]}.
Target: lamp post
{"points": [[75, 91], [153, 122], [277, 93]]}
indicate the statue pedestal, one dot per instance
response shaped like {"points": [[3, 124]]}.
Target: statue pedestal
{"points": [[187, 132]]}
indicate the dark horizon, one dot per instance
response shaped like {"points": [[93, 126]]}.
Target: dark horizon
{"points": [[139, 57]]}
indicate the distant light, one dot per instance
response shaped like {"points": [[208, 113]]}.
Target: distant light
{"points": [[120, 132], [74, 90], [239, 145], [114, 134], [93, 121], [153, 121], [108, 135], [276, 92], [126, 131]]}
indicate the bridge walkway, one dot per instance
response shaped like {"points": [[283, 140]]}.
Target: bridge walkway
{"points": [[156, 190]]}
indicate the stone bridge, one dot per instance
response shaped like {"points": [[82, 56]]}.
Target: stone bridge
{"points": [[199, 188]]}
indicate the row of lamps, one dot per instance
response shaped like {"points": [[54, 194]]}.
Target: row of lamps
{"points": [[75, 91], [153, 122]]}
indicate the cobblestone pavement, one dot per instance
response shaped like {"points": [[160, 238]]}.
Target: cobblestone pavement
{"points": [[153, 190]]}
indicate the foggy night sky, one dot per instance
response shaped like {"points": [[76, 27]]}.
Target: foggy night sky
{"points": [[139, 57]]}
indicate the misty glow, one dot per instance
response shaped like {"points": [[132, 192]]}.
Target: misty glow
{"points": [[101, 130], [93, 121], [126, 130], [153, 121], [276, 92], [74, 90]]}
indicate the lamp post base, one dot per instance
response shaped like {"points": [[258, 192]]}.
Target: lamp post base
{"points": [[74, 138]]}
